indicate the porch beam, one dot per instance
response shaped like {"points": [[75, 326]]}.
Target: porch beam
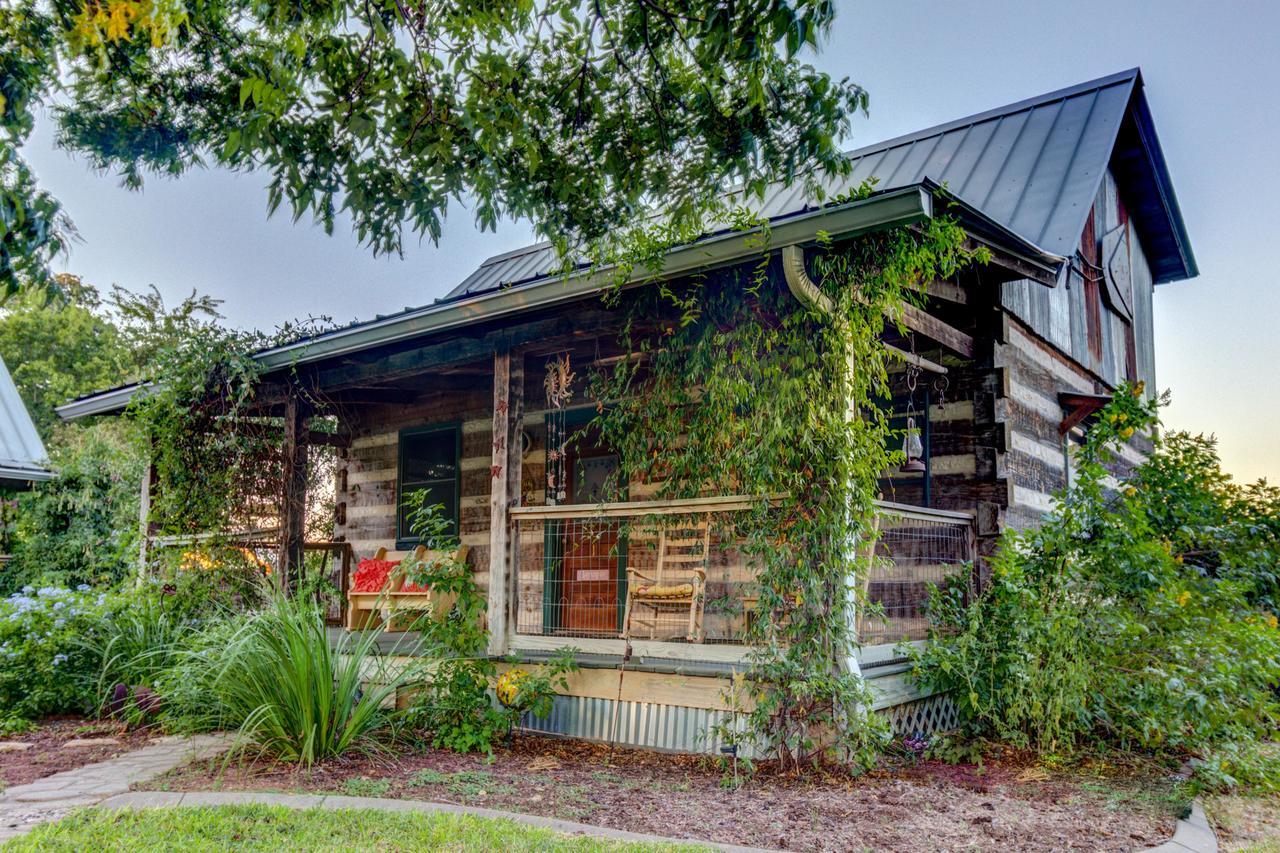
{"points": [[293, 504], [944, 333], [947, 290], [411, 362]]}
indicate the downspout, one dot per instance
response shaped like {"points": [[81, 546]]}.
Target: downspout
{"points": [[804, 289], [809, 294]]}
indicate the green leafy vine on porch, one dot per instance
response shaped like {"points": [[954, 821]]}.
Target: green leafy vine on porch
{"points": [[755, 396], [214, 441]]}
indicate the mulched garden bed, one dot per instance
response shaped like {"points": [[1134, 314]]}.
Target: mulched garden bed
{"points": [[1004, 805], [49, 755]]}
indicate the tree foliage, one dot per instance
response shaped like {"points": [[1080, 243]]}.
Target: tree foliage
{"points": [[81, 526], [735, 387], [57, 350], [575, 115]]}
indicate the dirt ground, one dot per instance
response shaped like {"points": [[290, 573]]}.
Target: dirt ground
{"points": [[1003, 805], [49, 756]]}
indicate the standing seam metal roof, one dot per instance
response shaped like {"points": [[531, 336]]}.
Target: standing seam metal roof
{"points": [[1033, 166]]}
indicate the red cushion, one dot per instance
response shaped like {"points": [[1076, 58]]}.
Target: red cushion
{"points": [[372, 575]]}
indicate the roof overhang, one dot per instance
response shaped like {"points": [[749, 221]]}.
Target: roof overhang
{"points": [[20, 474], [102, 403], [1139, 166], [889, 209]]}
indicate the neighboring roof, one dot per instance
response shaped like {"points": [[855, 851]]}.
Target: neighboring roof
{"points": [[1033, 166], [22, 454]]}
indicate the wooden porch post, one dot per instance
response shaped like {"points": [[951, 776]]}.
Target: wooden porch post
{"points": [[293, 505], [146, 527], [504, 489]]}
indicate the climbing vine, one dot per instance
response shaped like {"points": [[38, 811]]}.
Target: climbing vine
{"points": [[732, 386], [214, 445]]}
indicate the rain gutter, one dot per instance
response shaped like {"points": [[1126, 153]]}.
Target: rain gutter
{"points": [[890, 209]]}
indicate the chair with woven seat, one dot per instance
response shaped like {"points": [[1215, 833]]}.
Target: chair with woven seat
{"points": [[676, 585]]}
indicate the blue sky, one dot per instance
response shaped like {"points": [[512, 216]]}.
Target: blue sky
{"points": [[1207, 66]]}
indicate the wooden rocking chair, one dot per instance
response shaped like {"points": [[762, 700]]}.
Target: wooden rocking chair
{"points": [[677, 584]]}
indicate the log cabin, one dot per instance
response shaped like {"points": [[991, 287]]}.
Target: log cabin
{"points": [[1000, 372]]}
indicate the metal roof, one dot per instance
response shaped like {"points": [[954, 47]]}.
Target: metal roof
{"points": [[1034, 167], [887, 209], [22, 454]]}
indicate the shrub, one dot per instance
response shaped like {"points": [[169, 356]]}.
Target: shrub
{"points": [[452, 704], [81, 526], [1101, 628], [45, 667]]}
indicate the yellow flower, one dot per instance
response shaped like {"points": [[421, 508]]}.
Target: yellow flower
{"points": [[1139, 388], [1272, 622], [118, 24], [1183, 598], [1130, 491], [508, 687], [1126, 432]]}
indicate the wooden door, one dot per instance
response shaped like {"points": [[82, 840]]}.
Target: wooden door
{"points": [[590, 565]]}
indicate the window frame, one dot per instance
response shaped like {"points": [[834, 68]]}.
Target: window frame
{"points": [[404, 541]]}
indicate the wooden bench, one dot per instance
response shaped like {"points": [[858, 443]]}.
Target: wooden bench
{"points": [[385, 606]]}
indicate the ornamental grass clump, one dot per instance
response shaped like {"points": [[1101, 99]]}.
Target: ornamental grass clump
{"points": [[1135, 618], [290, 692]]}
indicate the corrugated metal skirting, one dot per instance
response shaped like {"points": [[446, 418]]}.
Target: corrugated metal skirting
{"points": [[675, 728]]}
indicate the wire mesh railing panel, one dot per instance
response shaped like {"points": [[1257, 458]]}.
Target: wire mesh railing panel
{"points": [[913, 555], [681, 578], [611, 577]]}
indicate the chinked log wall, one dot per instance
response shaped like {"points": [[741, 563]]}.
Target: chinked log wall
{"points": [[1030, 374], [995, 447], [369, 520], [370, 494]]}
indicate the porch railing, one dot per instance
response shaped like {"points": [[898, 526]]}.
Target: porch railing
{"points": [[575, 566], [916, 550]]}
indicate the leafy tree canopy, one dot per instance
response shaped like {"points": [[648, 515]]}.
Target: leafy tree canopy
{"points": [[59, 350], [76, 343], [575, 115]]}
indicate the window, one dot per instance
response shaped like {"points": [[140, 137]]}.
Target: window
{"points": [[429, 460]]}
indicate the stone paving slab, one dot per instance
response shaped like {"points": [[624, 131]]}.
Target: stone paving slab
{"points": [[24, 806], [1193, 834], [159, 799]]}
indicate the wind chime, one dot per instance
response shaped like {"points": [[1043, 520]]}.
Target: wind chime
{"points": [[559, 387]]}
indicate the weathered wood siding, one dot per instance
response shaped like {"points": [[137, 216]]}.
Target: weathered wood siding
{"points": [[1036, 459], [1059, 314]]}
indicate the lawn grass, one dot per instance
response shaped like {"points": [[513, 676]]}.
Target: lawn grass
{"points": [[1245, 823], [276, 829]]}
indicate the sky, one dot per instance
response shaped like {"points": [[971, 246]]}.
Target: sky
{"points": [[1209, 68]]}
